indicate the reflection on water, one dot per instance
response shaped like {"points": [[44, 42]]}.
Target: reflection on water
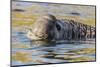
{"points": [[23, 52]]}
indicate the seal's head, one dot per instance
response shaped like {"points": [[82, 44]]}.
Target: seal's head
{"points": [[43, 28]]}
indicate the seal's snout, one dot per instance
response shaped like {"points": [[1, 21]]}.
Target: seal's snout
{"points": [[43, 28], [41, 35], [37, 35]]}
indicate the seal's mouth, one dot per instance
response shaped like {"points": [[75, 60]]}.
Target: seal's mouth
{"points": [[37, 35], [41, 35]]}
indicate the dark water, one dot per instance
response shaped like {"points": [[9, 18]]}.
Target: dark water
{"points": [[24, 53]]}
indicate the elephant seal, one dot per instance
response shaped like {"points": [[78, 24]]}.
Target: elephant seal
{"points": [[48, 28]]}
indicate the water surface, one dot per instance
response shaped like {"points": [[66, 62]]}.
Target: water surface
{"points": [[24, 53]]}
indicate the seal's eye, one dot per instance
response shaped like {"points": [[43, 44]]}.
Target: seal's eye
{"points": [[58, 27]]}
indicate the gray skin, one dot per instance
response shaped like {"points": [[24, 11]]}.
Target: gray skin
{"points": [[47, 27]]}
